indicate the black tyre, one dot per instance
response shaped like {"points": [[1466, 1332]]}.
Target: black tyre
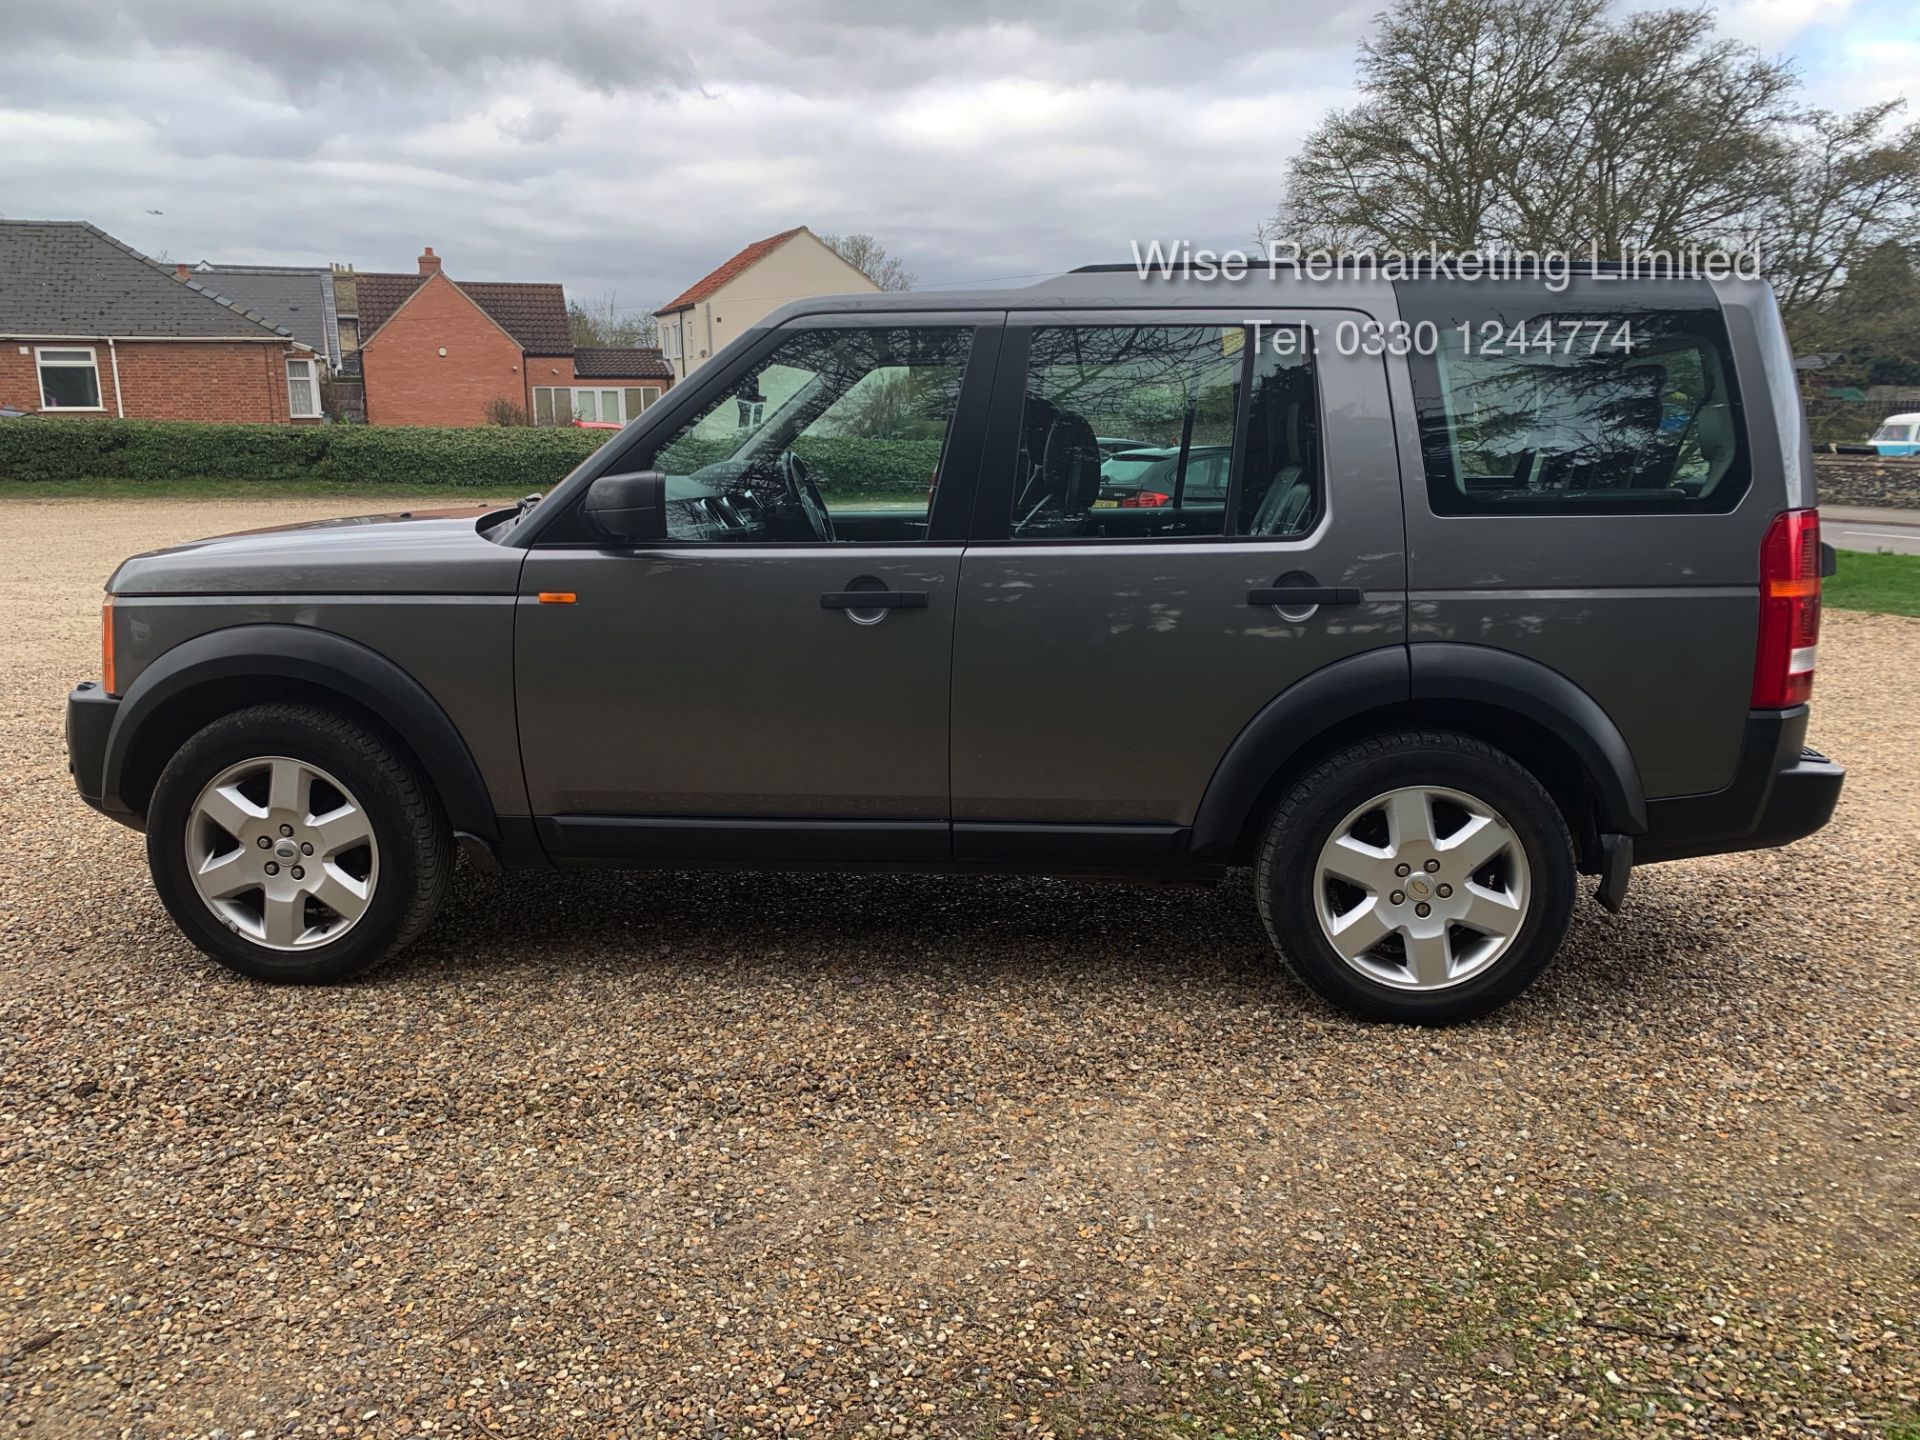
{"points": [[293, 843], [1422, 877]]}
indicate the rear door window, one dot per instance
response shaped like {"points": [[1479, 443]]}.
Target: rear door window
{"points": [[1555, 411], [1237, 423]]}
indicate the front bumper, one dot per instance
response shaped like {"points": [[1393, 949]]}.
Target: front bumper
{"points": [[90, 716], [1781, 791]]}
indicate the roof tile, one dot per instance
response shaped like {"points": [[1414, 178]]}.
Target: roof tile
{"points": [[714, 279], [620, 363], [535, 314], [298, 298], [68, 278]]}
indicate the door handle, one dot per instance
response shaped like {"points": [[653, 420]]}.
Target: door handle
{"points": [[874, 600], [1298, 596]]}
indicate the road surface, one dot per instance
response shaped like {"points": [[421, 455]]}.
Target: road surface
{"points": [[1855, 527]]}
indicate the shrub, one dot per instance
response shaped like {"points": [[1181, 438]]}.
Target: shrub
{"points": [[490, 457], [870, 467], [504, 458], [501, 458], [60, 449], [843, 466]]}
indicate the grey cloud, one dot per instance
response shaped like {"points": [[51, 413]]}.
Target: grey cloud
{"points": [[888, 44], [631, 148], [808, 46], [383, 45], [536, 128]]}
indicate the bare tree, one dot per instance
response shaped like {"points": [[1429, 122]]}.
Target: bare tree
{"points": [[1451, 104], [1852, 190], [870, 258], [1552, 124], [1656, 135], [602, 321]]}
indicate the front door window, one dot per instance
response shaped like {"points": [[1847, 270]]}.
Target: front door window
{"points": [[837, 424]]}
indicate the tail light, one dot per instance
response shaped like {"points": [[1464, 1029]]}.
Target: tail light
{"points": [[1146, 500], [106, 648], [1789, 611]]}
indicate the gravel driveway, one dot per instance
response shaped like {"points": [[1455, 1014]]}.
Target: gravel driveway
{"points": [[759, 1154]]}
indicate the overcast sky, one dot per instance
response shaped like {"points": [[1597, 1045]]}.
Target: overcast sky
{"points": [[629, 148]]}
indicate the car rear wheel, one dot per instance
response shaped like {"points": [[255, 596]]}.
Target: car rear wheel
{"points": [[293, 843], [1422, 877]]}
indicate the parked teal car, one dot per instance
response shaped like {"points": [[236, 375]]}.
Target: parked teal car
{"points": [[1898, 435]]}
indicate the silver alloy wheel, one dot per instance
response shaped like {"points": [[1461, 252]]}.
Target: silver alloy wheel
{"points": [[274, 869], [1422, 888]]}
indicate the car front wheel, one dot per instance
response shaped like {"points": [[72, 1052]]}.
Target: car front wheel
{"points": [[1423, 877], [290, 842]]}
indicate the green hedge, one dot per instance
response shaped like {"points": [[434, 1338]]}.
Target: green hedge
{"points": [[492, 457], [842, 466], [870, 467], [501, 458]]}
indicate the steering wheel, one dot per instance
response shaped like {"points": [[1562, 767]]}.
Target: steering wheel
{"points": [[804, 493]]}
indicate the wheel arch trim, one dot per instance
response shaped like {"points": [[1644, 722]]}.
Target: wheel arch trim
{"points": [[1314, 706], [1291, 720], [325, 661], [1443, 670]]}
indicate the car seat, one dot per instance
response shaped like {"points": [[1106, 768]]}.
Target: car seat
{"points": [[1060, 463]]}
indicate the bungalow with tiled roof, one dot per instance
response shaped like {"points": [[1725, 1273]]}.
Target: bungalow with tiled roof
{"points": [[91, 327], [443, 352], [733, 298]]}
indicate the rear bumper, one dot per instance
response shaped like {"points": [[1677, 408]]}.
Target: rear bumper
{"points": [[1781, 792], [90, 716]]}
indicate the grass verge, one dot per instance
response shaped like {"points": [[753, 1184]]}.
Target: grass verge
{"points": [[1889, 584]]}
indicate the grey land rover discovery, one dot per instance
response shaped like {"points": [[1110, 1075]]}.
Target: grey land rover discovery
{"points": [[1506, 585]]}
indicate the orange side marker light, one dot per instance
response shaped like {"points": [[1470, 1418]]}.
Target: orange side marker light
{"points": [[559, 597]]}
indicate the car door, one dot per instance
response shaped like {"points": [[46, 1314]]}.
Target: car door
{"points": [[1106, 657], [728, 693]]}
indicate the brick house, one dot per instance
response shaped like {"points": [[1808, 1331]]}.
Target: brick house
{"points": [[91, 327], [436, 351]]}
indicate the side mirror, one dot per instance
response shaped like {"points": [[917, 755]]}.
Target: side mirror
{"points": [[632, 508]]}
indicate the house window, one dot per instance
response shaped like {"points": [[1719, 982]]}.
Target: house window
{"points": [[563, 404], [303, 390], [752, 413], [69, 379]]}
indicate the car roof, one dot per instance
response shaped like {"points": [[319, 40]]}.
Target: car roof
{"points": [[1099, 288], [1125, 287], [1912, 417]]}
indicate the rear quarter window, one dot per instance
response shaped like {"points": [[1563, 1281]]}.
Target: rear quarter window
{"points": [[1532, 404]]}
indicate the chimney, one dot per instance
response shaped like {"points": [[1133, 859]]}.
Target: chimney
{"points": [[429, 262], [180, 271]]}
